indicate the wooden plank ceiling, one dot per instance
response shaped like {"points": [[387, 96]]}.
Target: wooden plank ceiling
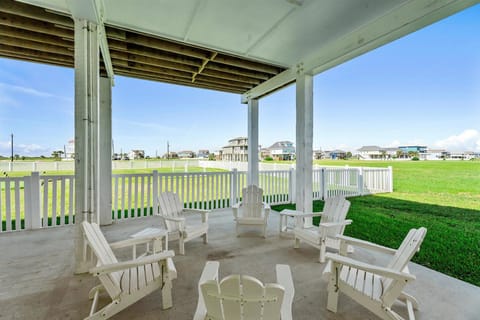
{"points": [[34, 34]]}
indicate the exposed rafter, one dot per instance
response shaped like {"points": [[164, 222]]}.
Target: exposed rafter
{"points": [[34, 34]]}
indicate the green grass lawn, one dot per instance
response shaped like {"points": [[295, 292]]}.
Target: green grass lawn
{"points": [[443, 196]]}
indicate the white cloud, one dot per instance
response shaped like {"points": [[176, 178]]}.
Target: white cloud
{"points": [[23, 149], [30, 91], [468, 140]]}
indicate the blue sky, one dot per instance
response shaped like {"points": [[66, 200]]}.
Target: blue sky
{"points": [[421, 89]]}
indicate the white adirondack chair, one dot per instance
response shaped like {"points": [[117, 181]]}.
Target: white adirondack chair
{"points": [[174, 217], [375, 287], [242, 297], [129, 281], [251, 210], [332, 222]]}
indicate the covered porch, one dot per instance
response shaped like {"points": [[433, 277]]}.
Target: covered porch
{"points": [[37, 280]]}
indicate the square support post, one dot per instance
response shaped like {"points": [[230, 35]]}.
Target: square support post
{"points": [[304, 137], [252, 175], [104, 208], [86, 133]]}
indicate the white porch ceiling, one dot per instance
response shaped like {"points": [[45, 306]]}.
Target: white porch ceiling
{"points": [[319, 33], [280, 32]]}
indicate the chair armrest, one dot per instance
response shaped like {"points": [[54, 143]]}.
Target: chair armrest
{"points": [[237, 205], [308, 215], [210, 272], [174, 219], [201, 211], [284, 278], [334, 224], [119, 266], [385, 272], [365, 244], [133, 241]]}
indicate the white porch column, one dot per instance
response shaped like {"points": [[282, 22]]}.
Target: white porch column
{"points": [[304, 137], [252, 175], [86, 132], [105, 152]]}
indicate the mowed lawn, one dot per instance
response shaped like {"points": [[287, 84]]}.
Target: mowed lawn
{"points": [[443, 196]]}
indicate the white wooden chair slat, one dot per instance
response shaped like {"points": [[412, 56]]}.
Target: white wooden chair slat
{"points": [[251, 210], [332, 223], [173, 215], [132, 283], [240, 297], [375, 287], [142, 283]]}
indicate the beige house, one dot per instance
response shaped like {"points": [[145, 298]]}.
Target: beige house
{"points": [[236, 150]]}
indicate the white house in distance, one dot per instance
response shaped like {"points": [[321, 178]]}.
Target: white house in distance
{"points": [[136, 154], [70, 149], [282, 150], [236, 150], [377, 153]]}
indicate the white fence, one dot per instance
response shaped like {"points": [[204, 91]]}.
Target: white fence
{"points": [[69, 165], [35, 201]]}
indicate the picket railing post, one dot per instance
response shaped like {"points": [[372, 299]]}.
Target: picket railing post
{"points": [[155, 192], [233, 187], [360, 181], [323, 178], [32, 201], [390, 179], [291, 185]]}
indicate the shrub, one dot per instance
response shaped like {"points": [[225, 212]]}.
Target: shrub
{"points": [[268, 159], [415, 159]]}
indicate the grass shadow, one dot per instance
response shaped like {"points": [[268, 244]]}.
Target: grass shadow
{"points": [[453, 237]]}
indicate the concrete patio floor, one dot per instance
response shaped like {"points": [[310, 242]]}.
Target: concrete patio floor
{"points": [[37, 280]]}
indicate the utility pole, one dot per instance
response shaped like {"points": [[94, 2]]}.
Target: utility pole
{"points": [[11, 144], [168, 150]]}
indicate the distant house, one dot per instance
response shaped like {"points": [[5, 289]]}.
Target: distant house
{"points": [[282, 150], [170, 155], [336, 154], [236, 150], [378, 153], [434, 154], [203, 154], [70, 149], [318, 154], [136, 154], [265, 153], [186, 154]]}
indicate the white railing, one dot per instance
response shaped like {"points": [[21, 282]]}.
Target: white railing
{"points": [[34, 202], [69, 165]]}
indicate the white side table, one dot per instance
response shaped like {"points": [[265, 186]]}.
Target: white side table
{"points": [[159, 236], [284, 214]]}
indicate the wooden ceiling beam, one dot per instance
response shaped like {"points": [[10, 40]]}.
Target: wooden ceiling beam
{"points": [[121, 55], [20, 57], [35, 36], [178, 81], [174, 78], [232, 70], [33, 25], [152, 69], [242, 63], [34, 12], [35, 54], [34, 45]]}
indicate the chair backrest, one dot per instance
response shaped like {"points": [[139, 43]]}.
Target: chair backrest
{"points": [[252, 201], [242, 297], [335, 210], [104, 254], [170, 206], [410, 245]]}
